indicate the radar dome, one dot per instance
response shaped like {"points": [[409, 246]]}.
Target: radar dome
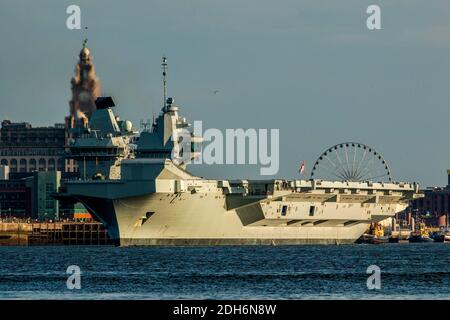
{"points": [[127, 126]]}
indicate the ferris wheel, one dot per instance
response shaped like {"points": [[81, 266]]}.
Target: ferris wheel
{"points": [[351, 161]]}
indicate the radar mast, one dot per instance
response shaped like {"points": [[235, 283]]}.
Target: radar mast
{"points": [[164, 66]]}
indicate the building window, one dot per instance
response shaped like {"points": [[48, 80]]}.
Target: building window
{"points": [[42, 164], [32, 165], [23, 165], [13, 165], [60, 164], [51, 165]]}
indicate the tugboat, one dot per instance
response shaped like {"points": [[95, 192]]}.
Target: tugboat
{"points": [[375, 235], [420, 235]]}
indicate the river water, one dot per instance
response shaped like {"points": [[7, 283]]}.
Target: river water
{"points": [[408, 271]]}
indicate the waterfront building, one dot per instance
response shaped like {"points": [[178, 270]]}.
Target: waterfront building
{"points": [[30, 196], [25, 148], [15, 198], [434, 207]]}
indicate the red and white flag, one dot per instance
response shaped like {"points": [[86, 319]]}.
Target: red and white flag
{"points": [[302, 168]]}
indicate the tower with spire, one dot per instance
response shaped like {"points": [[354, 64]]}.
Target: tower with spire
{"points": [[85, 88]]}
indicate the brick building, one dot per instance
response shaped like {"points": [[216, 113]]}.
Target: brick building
{"points": [[434, 206]]}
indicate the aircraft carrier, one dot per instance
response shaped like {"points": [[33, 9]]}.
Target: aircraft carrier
{"points": [[132, 186]]}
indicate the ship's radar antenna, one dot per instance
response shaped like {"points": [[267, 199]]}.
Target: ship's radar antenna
{"points": [[164, 66]]}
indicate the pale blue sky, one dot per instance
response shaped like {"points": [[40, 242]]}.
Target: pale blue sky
{"points": [[309, 68]]}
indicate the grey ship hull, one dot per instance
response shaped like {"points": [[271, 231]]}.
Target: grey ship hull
{"points": [[203, 220]]}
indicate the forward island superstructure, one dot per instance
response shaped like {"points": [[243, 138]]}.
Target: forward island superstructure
{"points": [[145, 198]]}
